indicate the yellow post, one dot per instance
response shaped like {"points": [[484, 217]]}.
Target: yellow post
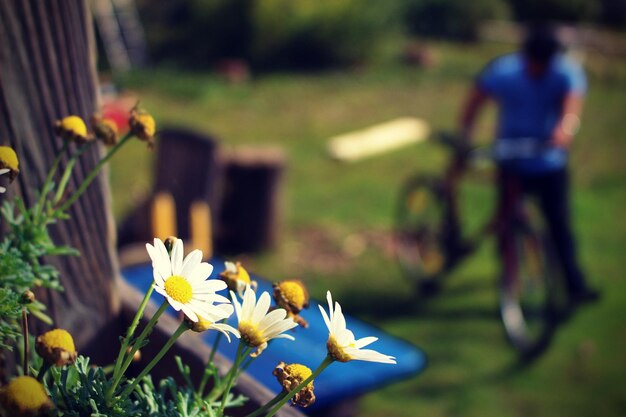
{"points": [[201, 228], [163, 215]]}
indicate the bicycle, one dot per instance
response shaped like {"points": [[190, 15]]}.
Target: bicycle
{"points": [[430, 243]]}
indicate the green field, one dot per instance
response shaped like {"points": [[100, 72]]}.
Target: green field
{"points": [[336, 220]]}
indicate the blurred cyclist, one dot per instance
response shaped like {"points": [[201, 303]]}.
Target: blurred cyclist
{"points": [[539, 93]]}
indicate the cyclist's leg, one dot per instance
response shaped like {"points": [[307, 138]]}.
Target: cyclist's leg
{"points": [[509, 197], [553, 193]]}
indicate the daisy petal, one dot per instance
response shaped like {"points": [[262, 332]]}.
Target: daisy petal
{"points": [[191, 262], [271, 317], [364, 342], [261, 307], [177, 257]]}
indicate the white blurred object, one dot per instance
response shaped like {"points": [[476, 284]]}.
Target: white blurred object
{"points": [[377, 139]]}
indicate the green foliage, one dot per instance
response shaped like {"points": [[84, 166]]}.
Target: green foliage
{"points": [[451, 18], [79, 390], [21, 263], [268, 33], [555, 10], [307, 33], [10, 310]]}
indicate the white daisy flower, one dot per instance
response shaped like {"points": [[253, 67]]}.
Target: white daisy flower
{"points": [[2, 172], [256, 325], [184, 283], [341, 344], [203, 325]]}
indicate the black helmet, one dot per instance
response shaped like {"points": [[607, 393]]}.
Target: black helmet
{"points": [[541, 44]]}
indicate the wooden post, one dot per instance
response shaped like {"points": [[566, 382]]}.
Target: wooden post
{"points": [[48, 71]]}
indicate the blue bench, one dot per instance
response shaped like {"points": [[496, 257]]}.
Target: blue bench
{"points": [[340, 381]]}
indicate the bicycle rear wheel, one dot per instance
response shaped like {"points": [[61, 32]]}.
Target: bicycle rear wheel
{"points": [[418, 234], [527, 290]]}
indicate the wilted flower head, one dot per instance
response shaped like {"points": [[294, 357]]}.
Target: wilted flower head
{"points": [[237, 278], [290, 376], [56, 347], [72, 128], [142, 125], [293, 296], [105, 129], [256, 325], [185, 284], [341, 343], [24, 396]]}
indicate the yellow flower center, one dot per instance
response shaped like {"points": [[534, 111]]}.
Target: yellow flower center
{"points": [[299, 373], [58, 339], [74, 125], [294, 293], [25, 393], [8, 158], [179, 289], [335, 351], [250, 334], [201, 325]]}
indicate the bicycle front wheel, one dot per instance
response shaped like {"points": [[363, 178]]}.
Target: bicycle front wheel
{"points": [[418, 234], [526, 288]]}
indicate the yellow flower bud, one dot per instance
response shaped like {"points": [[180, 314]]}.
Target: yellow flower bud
{"points": [[8, 160], [73, 128], [105, 130], [142, 125], [56, 347], [24, 396], [291, 295]]}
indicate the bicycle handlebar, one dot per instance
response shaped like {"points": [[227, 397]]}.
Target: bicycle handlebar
{"points": [[503, 149]]}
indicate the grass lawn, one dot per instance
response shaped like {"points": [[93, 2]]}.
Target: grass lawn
{"points": [[334, 232]]}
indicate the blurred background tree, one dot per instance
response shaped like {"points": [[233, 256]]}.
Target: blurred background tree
{"points": [[314, 34], [452, 19]]}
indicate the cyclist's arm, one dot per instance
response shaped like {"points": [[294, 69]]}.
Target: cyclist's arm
{"points": [[474, 103], [569, 120]]}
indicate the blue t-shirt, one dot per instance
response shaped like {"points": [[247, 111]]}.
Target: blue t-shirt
{"points": [[530, 107]]}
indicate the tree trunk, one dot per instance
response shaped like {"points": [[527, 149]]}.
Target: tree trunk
{"points": [[48, 71]]}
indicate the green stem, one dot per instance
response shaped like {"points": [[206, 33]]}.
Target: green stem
{"points": [[327, 361], [68, 172], [136, 345], [131, 331], [268, 405], [216, 342], [48, 181], [94, 172], [64, 179], [205, 377], [25, 334], [42, 371], [181, 329], [230, 377]]}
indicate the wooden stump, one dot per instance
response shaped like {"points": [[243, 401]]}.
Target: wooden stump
{"points": [[249, 213], [186, 169]]}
